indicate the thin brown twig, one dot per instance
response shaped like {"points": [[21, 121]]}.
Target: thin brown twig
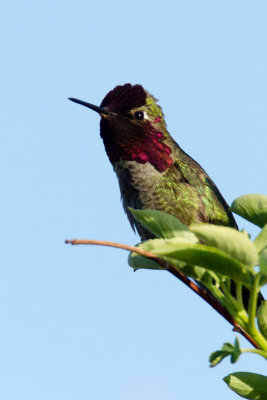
{"points": [[204, 294]]}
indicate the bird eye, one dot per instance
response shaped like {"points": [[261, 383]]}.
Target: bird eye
{"points": [[139, 115]]}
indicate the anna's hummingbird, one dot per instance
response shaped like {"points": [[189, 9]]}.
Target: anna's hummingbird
{"points": [[153, 171]]}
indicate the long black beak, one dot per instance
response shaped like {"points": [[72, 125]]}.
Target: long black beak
{"points": [[99, 110]]}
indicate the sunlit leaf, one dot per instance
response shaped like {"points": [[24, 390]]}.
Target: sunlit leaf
{"points": [[136, 261], [201, 255], [252, 207], [217, 356], [261, 240], [236, 244], [248, 385], [163, 225]]}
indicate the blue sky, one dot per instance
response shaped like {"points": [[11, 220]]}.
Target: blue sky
{"points": [[76, 322]]}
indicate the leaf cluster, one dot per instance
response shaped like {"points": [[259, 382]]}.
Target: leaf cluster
{"points": [[218, 258]]}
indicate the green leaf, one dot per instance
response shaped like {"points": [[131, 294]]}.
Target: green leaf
{"points": [[216, 357], [261, 240], [178, 249], [236, 244], [201, 274], [163, 225], [252, 207], [236, 351], [262, 318], [157, 244], [248, 385], [227, 350], [263, 262], [228, 347], [139, 262]]}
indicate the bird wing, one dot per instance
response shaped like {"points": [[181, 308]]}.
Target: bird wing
{"points": [[188, 193]]}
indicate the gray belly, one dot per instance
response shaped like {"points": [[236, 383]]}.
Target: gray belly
{"points": [[137, 185]]}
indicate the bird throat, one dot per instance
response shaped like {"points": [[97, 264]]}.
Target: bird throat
{"points": [[148, 147]]}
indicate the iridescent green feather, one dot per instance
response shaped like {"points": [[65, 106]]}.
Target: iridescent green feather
{"points": [[187, 192]]}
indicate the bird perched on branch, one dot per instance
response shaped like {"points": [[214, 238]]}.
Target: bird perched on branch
{"points": [[153, 171]]}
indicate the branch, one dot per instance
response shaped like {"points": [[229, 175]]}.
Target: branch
{"points": [[204, 294]]}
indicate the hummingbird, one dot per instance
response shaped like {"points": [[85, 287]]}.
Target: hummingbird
{"points": [[152, 169]]}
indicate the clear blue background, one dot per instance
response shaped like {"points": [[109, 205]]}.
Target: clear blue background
{"points": [[76, 322]]}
